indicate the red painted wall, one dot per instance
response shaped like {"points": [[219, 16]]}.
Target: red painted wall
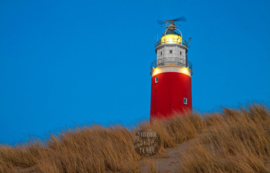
{"points": [[168, 94]]}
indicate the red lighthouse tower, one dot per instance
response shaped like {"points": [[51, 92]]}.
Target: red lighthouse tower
{"points": [[171, 75]]}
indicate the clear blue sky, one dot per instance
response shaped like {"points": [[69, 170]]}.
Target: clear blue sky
{"points": [[64, 62]]}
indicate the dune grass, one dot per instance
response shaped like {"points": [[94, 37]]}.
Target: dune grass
{"points": [[94, 148], [235, 141]]}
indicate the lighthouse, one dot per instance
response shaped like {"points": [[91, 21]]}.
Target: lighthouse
{"points": [[171, 74]]}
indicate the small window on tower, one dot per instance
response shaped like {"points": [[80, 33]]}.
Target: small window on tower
{"points": [[170, 51], [180, 53], [156, 79], [185, 101], [160, 53]]}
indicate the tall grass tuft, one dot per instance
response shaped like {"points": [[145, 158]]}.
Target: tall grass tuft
{"points": [[238, 142]]}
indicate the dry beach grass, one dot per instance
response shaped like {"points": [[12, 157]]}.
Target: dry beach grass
{"points": [[237, 141], [233, 140]]}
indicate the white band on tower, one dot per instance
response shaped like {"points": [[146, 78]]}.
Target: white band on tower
{"points": [[164, 69]]}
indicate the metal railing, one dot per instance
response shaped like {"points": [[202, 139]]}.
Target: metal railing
{"points": [[171, 61], [184, 42]]}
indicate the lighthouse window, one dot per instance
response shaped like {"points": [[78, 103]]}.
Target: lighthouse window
{"points": [[185, 101], [156, 79], [160, 53], [180, 53], [170, 51]]}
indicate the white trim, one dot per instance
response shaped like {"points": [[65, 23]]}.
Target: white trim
{"points": [[156, 79], [171, 68], [184, 101]]}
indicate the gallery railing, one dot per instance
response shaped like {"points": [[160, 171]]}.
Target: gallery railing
{"points": [[171, 61]]}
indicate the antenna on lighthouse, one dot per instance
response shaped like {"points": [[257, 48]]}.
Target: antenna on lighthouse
{"points": [[172, 25]]}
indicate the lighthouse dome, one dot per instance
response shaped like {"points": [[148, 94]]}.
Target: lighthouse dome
{"points": [[171, 32], [171, 37]]}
